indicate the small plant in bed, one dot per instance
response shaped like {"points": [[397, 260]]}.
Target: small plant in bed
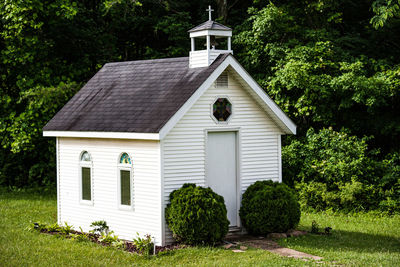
{"points": [[53, 228], [99, 227], [140, 245], [80, 237], [144, 245], [66, 229], [111, 239]]}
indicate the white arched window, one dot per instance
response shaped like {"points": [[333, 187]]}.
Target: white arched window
{"points": [[125, 181], [85, 178]]}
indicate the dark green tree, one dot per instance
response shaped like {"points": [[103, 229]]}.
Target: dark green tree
{"points": [[326, 66]]}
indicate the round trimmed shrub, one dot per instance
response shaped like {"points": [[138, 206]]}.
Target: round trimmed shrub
{"points": [[196, 215], [269, 207]]}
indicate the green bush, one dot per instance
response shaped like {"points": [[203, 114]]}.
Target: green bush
{"points": [[390, 185], [329, 157], [196, 215], [269, 207], [315, 196], [334, 170], [347, 196]]}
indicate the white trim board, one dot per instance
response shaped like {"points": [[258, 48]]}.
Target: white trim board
{"points": [[201, 33], [58, 180], [115, 135], [163, 222], [280, 157]]}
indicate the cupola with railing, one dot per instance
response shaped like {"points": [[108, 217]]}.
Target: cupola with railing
{"points": [[208, 40]]}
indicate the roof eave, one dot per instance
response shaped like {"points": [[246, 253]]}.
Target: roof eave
{"points": [[205, 29], [108, 135]]}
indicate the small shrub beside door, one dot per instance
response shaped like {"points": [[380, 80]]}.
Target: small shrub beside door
{"points": [[197, 215], [269, 207]]}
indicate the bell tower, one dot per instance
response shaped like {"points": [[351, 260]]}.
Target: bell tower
{"points": [[208, 40]]}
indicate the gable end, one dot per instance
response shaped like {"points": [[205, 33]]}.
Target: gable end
{"points": [[278, 116]]}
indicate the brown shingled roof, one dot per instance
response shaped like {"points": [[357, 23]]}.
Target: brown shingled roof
{"points": [[135, 96]]}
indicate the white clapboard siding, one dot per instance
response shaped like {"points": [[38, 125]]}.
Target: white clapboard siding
{"points": [[198, 59], [145, 218], [204, 58], [184, 146]]}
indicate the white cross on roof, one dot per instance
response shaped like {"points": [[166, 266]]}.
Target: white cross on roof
{"points": [[209, 12]]}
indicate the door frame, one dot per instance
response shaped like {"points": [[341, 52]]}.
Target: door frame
{"points": [[237, 130]]}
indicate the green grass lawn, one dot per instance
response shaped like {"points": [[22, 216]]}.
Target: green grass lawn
{"points": [[356, 240]]}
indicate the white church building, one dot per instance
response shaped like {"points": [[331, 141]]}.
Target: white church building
{"points": [[140, 129]]}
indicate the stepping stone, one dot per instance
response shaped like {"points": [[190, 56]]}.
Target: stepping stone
{"points": [[228, 246], [291, 253], [275, 248], [237, 250]]}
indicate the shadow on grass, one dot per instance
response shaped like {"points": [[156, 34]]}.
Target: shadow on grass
{"points": [[166, 253], [347, 241], [27, 194]]}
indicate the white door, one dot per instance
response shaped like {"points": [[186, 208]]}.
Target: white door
{"points": [[221, 169]]}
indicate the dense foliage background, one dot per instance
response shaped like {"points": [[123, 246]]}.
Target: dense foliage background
{"points": [[332, 65]]}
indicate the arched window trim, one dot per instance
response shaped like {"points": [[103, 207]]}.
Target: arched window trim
{"points": [[81, 156], [124, 164], [125, 167], [85, 164]]}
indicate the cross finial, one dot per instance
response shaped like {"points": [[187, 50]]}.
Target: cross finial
{"points": [[209, 12]]}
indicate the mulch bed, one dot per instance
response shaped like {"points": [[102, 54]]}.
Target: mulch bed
{"points": [[128, 245]]}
